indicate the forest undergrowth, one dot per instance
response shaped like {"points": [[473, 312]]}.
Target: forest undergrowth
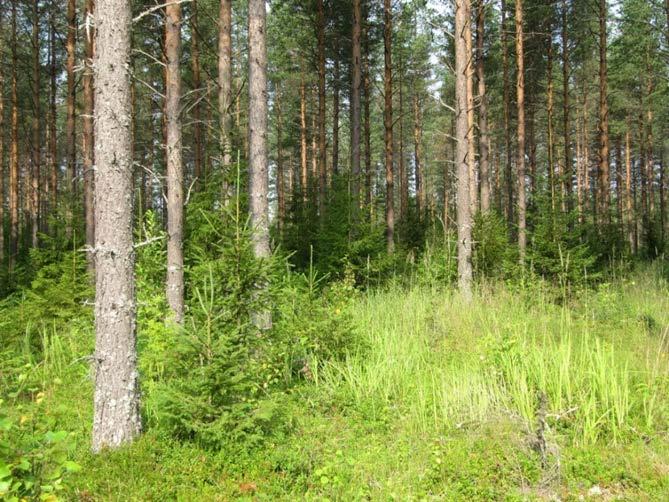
{"points": [[399, 391]]}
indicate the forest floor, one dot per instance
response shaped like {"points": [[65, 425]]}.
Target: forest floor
{"points": [[442, 404]]}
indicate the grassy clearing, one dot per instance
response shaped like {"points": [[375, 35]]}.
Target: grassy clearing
{"points": [[441, 402]]}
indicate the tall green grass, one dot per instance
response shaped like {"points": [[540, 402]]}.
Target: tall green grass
{"points": [[438, 364]]}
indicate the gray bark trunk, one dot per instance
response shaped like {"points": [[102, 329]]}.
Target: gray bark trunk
{"points": [[464, 216], [116, 418], [258, 175]]}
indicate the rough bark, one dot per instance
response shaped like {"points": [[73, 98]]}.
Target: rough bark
{"points": [[356, 64], [484, 162], [175, 202], [520, 102], [388, 125], [116, 418], [464, 217], [258, 176], [88, 138]]}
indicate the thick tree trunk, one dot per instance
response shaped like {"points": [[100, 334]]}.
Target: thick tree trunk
{"points": [[88, 139], [508, 169], [464, 216], [14, 153], [388, 124], [36, 140], [116, 418], [356, 64], [258, 176], [225, 87], [604, 176], [520, 100], [175, 202], [70, 104], [484, 162], [197, 106]]}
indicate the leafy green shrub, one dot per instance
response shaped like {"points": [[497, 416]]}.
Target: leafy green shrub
{"points": [[33, 463]]}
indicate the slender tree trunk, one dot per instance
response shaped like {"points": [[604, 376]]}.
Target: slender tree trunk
{"points": [[604, 176], [14, 153], [464, 217], [280, 182], [88, 139], [356, 64], [520, 100], [197, 84], [225, 87], [388, 124], [471, 141], [70, 104], [116, 418], [549, 119], [402, 175], [258, 175], [335, 114], [507, 119], [52, 143], [484, 169], [175, 202], [304, 169], [619, 185], [2, 145], [629, 223], [367, 89], [322, 151], [650, 158], [418, 150], [36, 140], [565, 178]]}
